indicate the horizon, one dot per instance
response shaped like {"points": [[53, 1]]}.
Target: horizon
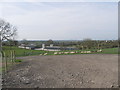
{"points": [[66, 40], [63, 20]]}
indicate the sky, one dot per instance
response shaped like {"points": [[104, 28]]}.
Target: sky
{"points": [[59, 0], [62, 20]]}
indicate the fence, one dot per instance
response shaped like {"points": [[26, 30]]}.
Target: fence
{"points": [[8, 59]]}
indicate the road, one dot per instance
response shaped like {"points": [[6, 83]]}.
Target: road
{"points": [[65, 71]]}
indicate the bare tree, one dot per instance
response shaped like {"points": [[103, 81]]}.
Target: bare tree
{"points": [[7, 32]]}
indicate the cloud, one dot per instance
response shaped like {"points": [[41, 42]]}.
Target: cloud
{"points": [[59, 0], [70, 21], [0, 10]]}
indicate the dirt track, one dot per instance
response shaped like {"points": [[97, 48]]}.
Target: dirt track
{"points": [[65, 71]]}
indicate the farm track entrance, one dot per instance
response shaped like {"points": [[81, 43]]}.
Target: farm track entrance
{"points": [[65, 71]]}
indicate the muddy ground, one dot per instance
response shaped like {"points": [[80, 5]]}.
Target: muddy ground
{"points": [[65, 71]]}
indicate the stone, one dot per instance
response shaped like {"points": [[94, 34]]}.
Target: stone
{"points": [[27, 82], [92, 81], [111, 86], [81, 82]]}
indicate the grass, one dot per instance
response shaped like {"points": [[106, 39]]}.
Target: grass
{"points": [[24, 52], [9, 64], [18, 60], [110, 51]]}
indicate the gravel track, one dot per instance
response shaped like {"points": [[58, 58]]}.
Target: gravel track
{"points": [[64, 71]]}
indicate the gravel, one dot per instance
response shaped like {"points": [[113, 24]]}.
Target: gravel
{"points": [[64, 71]]}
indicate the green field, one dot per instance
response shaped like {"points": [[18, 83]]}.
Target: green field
{"points": [[24, 52], [110, 51]]}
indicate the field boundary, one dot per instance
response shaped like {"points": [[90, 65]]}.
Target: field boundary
{"points": [[8, 59]]}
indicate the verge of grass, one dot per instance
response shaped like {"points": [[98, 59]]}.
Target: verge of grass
{"points": [[18, 60], [110, 51], [25, 52], [10, 64]]}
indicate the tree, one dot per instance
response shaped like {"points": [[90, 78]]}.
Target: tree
{"points": [[87, 43], [25, 42], [7, 32], [50, 41], [13, 43]]}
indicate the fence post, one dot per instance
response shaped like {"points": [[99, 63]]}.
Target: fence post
{"points": [[8, 58], [11, 57], [5, 61], [3, 65], [14, 58], [1, 72]]}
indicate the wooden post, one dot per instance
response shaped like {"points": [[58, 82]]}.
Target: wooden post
{"points": [[11, 57], [14, 58], [1, 58], [5, 63]]}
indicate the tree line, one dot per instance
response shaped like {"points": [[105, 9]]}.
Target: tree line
{"points": [[81, 44]]}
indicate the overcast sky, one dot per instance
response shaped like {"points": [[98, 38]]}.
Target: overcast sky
{"points": [[62, 20]]}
